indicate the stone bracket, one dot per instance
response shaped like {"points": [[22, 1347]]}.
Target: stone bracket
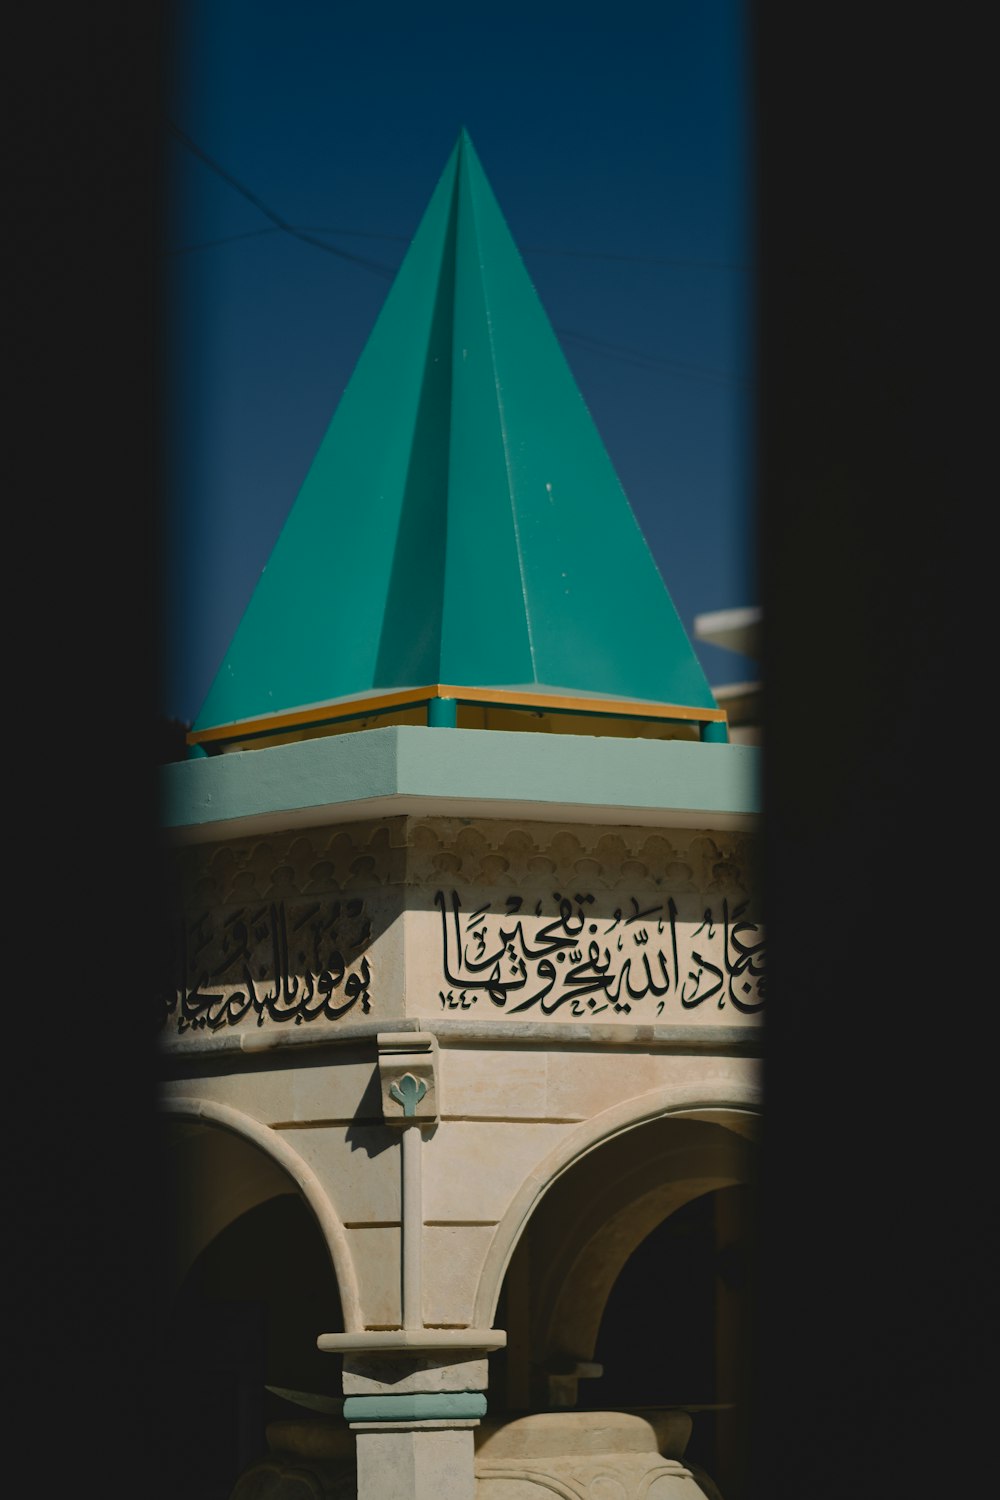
{"points": [[407, 1066]]}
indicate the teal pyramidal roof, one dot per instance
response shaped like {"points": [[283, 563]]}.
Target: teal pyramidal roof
{"points": [[461, 522]]}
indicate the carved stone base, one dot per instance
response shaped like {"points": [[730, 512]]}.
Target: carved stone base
{"points": [[589, 1455], [583, 1455], [308, 1460]]}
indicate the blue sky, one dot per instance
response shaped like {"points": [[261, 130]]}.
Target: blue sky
{"points": [[617, 142]]}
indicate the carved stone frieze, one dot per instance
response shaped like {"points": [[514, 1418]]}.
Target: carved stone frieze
{"points": [[422, 916], [537, 922], [490, 853], [317, 862], [411, 851]]}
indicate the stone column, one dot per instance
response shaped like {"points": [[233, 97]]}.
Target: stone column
{"points": [[414, 1419], [414, 1395], [413, 1401]]}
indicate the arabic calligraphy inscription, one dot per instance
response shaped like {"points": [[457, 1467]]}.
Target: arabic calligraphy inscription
{"points": [[270, 961], [652, 959]]}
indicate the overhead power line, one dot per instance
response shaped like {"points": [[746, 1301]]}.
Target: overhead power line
{"points": [[643, 361], [246, 234], [305, 232], [635, 357], [640, 260], [402, 239], [269, 213]]}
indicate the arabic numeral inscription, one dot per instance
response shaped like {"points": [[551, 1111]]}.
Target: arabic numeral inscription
{"points": [[461, 1001]]}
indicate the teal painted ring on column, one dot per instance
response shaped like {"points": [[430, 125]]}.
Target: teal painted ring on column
{"points": [[421, 1406], [442, 713]]}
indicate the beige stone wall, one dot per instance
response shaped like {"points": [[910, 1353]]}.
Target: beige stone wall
{"points": [[511, 1122], [579, 982]]}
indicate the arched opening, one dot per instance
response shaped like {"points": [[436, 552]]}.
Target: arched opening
{"points": [[628, 1288], [253, 1285], [675, 1330]]}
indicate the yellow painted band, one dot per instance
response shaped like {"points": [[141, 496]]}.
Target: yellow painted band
{"points": [[499, 697]]}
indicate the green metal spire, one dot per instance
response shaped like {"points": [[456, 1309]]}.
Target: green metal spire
{"points": [[461, 522]]}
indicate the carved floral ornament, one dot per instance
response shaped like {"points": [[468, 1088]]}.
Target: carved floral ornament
{"points": [[410, 851], [407, 1063]]}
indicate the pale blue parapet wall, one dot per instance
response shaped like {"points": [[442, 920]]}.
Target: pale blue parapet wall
{"points": [[349, 773]]}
